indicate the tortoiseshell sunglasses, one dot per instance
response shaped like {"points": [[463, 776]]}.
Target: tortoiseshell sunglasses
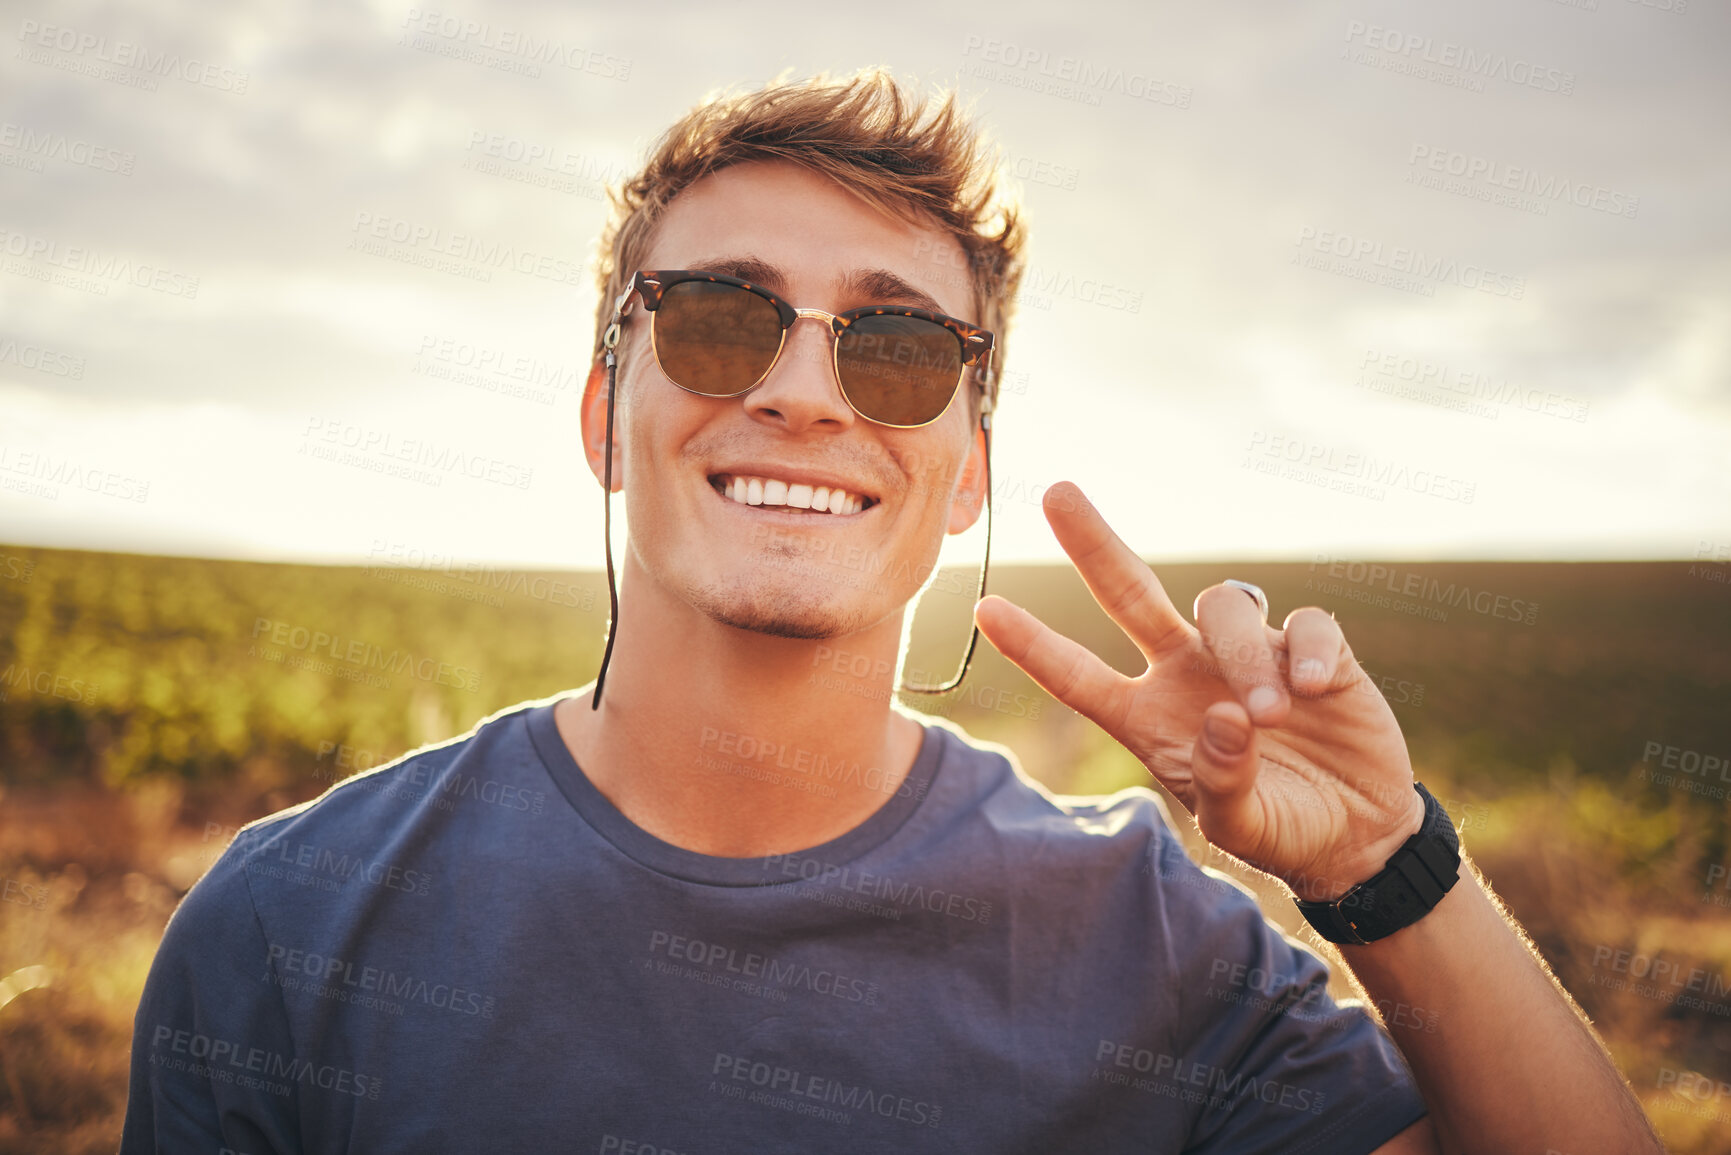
{"points": [[719, 336]]}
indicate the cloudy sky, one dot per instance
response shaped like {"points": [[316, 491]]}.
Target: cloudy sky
{"points": [[1365, 279]]}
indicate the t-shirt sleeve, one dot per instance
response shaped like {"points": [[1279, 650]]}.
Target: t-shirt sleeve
{"points": [[1275, 1064], [210, 1042]]}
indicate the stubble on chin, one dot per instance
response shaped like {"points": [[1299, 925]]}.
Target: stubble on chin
{"points": [[774, 612]]}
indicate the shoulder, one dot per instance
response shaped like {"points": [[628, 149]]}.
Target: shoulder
{"points": [[402, 803]]}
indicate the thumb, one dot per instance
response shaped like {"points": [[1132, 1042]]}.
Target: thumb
{"points": [[1224, 765]]}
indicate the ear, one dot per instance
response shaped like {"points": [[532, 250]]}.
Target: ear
{"points": [[970, 496], [594, 421]]}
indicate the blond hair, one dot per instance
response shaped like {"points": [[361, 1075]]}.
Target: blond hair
{"points": [[918, 158]]}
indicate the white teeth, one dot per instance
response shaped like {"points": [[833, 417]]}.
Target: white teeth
{"points": [[794, 495]]}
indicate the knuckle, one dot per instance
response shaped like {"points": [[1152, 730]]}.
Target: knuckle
{"points": [[1213, 599], [1308, 616], [1074, 670]]}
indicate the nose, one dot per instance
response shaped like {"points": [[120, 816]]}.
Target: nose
{"points": [[801, 391]]}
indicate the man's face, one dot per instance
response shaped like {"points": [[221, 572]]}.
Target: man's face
{"points": [[775, 569]]}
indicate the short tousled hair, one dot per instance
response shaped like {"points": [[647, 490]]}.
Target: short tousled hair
{"points": [[904, 155]]}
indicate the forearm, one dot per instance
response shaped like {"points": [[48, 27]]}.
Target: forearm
{"points": [[1505, 1061]]}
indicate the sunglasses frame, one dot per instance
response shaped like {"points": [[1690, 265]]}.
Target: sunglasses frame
{"points": [[976, 344]]}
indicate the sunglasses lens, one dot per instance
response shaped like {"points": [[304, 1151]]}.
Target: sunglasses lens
{"points": [[899, 370], [715, 339]]}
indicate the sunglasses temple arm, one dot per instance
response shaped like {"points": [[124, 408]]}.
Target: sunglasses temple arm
{"points": [[607, 531], [985, 567]]}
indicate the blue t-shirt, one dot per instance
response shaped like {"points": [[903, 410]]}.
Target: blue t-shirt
{"points": [[472, 949]]}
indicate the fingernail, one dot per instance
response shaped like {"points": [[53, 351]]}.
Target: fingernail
{"points": [[1262, 699], [1225, 735], [1308, 670]]}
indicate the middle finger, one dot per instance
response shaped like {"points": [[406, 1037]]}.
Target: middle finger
{"points": [[1240, 642]]}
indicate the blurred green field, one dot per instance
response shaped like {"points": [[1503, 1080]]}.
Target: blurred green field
{"points": [[149, 705]]}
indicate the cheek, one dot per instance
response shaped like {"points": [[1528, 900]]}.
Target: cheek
{"points": [[934, 466]]}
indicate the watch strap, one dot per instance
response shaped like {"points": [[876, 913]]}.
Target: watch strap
{"points": [[1425, 868]]}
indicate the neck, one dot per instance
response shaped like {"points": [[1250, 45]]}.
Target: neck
{"points": [[730, 743]]}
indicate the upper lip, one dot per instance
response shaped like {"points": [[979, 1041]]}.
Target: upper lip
{"points": [[798, 475]]}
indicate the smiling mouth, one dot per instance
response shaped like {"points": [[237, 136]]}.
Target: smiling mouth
{"points": [[791, 496]]}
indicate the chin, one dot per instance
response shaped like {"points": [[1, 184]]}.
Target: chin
{"points": [[779, 613]]}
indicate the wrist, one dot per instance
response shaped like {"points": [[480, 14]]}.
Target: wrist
{"points": [[1377, 854], [1411, 881], [1364, 863]]}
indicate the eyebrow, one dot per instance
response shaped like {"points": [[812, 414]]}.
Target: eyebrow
{"points": [[878, 286]]}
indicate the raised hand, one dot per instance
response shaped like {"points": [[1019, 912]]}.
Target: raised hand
{"points": [[1276, 740]]}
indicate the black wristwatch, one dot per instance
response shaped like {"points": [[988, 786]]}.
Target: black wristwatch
{"points": [[1417, 876]]}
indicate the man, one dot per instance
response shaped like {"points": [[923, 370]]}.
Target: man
{"points": [[736, 902]]}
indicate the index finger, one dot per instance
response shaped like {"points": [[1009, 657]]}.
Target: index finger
{"points": [[1121, 582]]}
